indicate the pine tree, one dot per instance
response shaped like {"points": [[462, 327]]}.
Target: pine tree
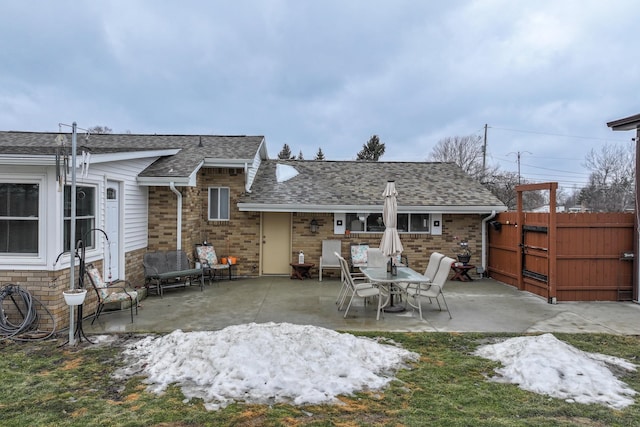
{"points": [[319, 155], [372, 150], [300, 157], [285, 154]]}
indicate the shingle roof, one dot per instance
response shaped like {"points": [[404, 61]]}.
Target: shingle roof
{"points": [[335, 184], [193, 148]]}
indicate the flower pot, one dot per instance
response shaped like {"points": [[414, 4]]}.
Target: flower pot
{"points": [[464, 258], [74, 296]]}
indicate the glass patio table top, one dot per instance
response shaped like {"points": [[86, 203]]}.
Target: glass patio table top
{"points": [[405, 274]]}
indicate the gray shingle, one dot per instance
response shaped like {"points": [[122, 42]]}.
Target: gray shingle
{"points": [[333, 183], [193, 148]]}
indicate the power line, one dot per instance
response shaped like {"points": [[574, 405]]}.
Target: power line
{"points": [[559, 134]]}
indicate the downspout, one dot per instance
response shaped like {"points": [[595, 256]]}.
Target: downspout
{"points": [[485, 249], [179, 215]]}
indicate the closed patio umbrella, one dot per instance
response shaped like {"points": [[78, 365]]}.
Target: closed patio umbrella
{"points": [[390, 245]]}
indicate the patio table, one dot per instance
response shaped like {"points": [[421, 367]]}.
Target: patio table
{"points": [[380, 275]]}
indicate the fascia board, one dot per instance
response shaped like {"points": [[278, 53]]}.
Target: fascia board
{"points": [[226, 163], [259, 207], [131, 155], [164, 181], [47, 160], [21, 159]]}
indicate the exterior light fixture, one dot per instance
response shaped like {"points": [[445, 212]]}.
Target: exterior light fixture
{"points": [[313, 225]]}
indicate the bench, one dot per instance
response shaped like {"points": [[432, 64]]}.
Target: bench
{"points": [[170, 269]]}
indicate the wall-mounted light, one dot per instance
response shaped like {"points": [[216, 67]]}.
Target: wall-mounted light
{"points": [[313, 225]]}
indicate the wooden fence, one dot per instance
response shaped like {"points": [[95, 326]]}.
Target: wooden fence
{"points": [[565, 256]]}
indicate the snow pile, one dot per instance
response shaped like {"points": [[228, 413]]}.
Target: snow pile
{"points": [[543, 364], [264, 363]]}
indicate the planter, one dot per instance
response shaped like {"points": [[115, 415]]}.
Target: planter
{"points": [[464, 258], [74, 296]]}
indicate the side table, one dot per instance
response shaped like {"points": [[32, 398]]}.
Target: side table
{"points": [[301, 271], [461, 272]]}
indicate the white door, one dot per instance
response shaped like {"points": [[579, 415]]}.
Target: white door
{"points": [[276, 243], [112, 228]]}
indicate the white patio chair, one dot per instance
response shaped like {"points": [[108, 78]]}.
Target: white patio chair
{"points": [[415, 291], [328, 258], [430, 271], [362, 290]]}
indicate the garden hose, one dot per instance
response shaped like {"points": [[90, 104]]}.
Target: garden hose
{"points": [[23, 321]]}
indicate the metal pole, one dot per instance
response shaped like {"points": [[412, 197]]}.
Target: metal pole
{"points": [[72, 232]]}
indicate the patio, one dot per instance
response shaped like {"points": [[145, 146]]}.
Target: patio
{"points": [[483, 305]]}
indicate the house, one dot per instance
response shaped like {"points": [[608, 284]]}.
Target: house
{"points": [[156, 192]]}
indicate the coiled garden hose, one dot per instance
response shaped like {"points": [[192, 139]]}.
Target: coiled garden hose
{"points": [[19, 318]]}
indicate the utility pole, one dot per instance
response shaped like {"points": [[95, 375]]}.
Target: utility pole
{"points": [[518, 154], [484, 154]]}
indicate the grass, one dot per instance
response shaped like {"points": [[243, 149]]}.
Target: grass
{"points": [[43, 384]]}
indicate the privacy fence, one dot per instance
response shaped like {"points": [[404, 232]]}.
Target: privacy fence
{"points": [[564, 256]]}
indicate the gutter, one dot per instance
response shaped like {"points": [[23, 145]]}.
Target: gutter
{"points": [[179, 215], [485, 249]]}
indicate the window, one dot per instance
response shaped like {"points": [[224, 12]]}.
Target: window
{"points": [[373, 222], [85, 215], [19, 221], [218, 203]]}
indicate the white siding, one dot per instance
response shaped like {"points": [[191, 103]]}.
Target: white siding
{"points": [[134, 200]]}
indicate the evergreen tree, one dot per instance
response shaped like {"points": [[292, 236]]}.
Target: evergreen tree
{"points": [[285, 153], [300, 156], [319, 155], [372, 150]]}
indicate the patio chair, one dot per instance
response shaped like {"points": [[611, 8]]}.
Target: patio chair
{"points": [[364, 290], [344, 289], [206, 254], [358, 255], [328, 258], [430, 271], [117, 291], [415, 291]]}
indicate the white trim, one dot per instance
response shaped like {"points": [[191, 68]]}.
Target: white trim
{"points": [[258, 207]]}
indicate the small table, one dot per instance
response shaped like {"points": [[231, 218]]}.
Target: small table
{"points": [[461, 272], [301, 271]]}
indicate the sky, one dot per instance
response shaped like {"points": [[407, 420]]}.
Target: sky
{"points": [[545, 76], [300, 364]]}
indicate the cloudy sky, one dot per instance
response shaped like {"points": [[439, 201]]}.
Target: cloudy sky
{"points": [[545, 76]]}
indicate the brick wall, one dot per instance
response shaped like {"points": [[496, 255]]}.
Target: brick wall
{"points": [[417, 247], [240, 236]]}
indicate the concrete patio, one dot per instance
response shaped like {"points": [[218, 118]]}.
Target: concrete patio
{"points": [[483, 305]]}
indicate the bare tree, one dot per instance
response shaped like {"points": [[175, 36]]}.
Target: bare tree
{"points": [[100, 129], [612, 178], [464, 151], [372, 150]]}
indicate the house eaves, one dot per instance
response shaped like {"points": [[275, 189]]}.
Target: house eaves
{"points": [[49, 159], [627, 123], [170, 179], [481, 210]]}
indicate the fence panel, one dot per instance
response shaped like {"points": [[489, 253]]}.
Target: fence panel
{"points": [[590, 265]]}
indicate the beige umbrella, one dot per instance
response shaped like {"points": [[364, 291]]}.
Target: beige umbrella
{"points": [[390, 245]]}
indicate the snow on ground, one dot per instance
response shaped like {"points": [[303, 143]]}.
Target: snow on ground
{"points": [[265, 363], [270, 363], [543, 364]]}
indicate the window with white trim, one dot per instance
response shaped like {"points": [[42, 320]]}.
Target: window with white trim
{"points": [[374, 223], [219, 202], [19, 218], [85, 216]]}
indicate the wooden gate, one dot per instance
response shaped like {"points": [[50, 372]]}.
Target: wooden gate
{"points": [[564, 256]]}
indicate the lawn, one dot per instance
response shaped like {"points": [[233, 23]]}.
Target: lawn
{"points": [[44, 383]]}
